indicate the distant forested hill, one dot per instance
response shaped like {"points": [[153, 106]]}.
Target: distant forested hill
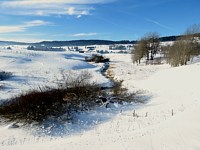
{"points": [[97, 42], [83, 42]]}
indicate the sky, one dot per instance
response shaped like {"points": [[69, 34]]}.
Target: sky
{"points": [[39, 20]]}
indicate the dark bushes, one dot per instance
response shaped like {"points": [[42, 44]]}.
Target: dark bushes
{"points": [[34, 106], [74, 94], [97, 59], [5, 75]]}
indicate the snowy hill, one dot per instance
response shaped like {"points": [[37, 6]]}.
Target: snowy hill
{"points": [[173, 120], [31, 69], [168, 118]]}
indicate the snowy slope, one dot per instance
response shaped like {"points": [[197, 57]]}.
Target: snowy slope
{"points": [[169, 118], [173, 120], [32, 69]]}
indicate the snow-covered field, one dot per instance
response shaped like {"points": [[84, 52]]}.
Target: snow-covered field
{"points": [[168, 118]]}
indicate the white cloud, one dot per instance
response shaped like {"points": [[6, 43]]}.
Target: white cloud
{"points": [[21, 39], [79, 16], [22, 27], [10, 29], [78, 13], [49, 7], [36, 23], [70, 11], [27, 3], [84, 34]]}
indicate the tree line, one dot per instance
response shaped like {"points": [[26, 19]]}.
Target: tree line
{"points": [[183, 49]]}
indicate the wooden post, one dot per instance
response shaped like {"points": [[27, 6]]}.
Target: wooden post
{"points": [[134, 113]]}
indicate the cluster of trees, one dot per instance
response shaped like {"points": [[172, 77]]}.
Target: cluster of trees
{"points": [[147, 46], [183, 49], [97, 59]]}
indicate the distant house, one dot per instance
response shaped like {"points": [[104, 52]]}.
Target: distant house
{"points": [[117, 47], [91, 48], [74, 48], [30, 48], [129, 47], [44, 48], [102, 51]]}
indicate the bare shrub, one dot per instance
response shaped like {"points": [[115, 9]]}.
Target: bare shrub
{"points": [[33, 106], [117, 87], [120, 93], [75, 93], [80, 84]]}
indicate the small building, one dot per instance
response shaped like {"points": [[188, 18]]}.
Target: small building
{"points": [[117, 47], [44, 48], [91, 48]]}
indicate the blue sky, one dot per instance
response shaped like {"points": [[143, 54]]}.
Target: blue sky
{"points": [[38, 20]]}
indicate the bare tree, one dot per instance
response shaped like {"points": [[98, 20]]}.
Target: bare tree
{"points": [[192, 35], [153, 44], [179, 53], [140, 50], [147, 46], [193, 30], [185, 48]]}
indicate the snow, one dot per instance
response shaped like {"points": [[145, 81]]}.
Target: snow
{"points": [[168, 118], [34, 68]]}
